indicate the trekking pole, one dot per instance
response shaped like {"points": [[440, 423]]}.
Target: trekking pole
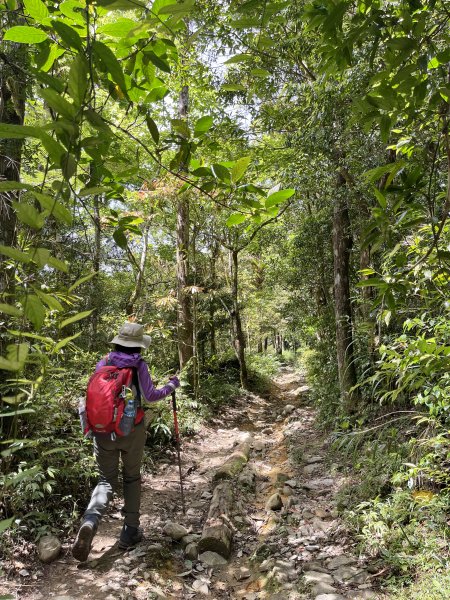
{"points": [[177, 439]]}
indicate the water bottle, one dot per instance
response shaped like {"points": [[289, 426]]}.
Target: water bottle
{"points": [[82, 414], [127, 420]]}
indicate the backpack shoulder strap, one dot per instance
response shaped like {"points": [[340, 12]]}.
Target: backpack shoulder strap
{"points": [[135, 381]]}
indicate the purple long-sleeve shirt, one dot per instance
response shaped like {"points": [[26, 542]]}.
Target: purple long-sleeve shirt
{"points": [[148, 390]]}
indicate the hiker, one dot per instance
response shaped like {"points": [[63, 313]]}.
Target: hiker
{"points": [[108, 448]]}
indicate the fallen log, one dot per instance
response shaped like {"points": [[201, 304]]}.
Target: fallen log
{"points": [[217, 532], [234, 463]]}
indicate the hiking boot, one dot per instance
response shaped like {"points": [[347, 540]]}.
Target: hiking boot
{"points": [[129, 537], [83, 542]]}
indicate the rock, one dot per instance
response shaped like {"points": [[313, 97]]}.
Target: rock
{"points": [[24, 573], [288, 409], [321, 513], [175, 531], [321, 525], [49, 548], [318, 577], [314, 565], [310, 469], [259, 445], [362, 595], [347, 572], [191, 551], [323, 588], [274, 502], [309, 460], [201, 586], [266, 565], [287, 491], [293, 483], [330, 597], [243, 573], [282, 477], [212, 559], [188, 539], [340, 561], [267, 430]]}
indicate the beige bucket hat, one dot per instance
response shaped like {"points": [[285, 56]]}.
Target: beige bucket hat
{"points": [[132, 335]]}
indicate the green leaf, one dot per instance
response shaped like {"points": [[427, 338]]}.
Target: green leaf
{"points": [[65, 341], [203, 125], [93, 191], [153, 129], [58, 264], [119, 28], [78, 79], [58, 103], [68, 35], [240, 168], [25, 35], [16, 355], [36, 9], [81, 281], [34, 310], [120, 238], [40, 256], [158, 61], [15, 254], [260, 73], [19, 131], [75, 318], [9, 186], [121, 4], [29, 215], [181, 8], [55, 208], [74, 10], [238, 58], [221, 172], [50, 301], [4, 525], [278, 197], [110, 64], [9, 309], [233, 87], [381, 198], [235, 219], [181, 127]]}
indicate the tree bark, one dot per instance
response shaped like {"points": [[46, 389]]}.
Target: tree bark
{"points": [[343, 309], [235, 462], [96, 266], [217, 533], [238, 334], [184, 321], [130, 307], [212, 306]]}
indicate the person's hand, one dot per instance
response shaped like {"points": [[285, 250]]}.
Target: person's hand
{"points": [[175, 381]]}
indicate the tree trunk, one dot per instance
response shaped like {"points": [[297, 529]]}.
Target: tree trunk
{"points": [[130, 307], [266, 343], [212, 306], [96, 266], [184, 324], [343, 311], [238, 334]]}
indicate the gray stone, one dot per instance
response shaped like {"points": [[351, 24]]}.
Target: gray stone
{"points": [[340, 561], [293, 483], [191, 551], [323, 588], [330, 597], [361, 595], [346, 572], [175, 531], [310, 469], [259, 445], [274, 502], [49, 548], [309, 460], [242, 573], [266, 565], [287, 491], [212, 559], [318, 577], [188, 539], [288, 409], [314, 565]]}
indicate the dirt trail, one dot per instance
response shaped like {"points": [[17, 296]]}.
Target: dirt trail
{"points": [[298, 552]]}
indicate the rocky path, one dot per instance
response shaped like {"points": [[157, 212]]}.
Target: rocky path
{"points": [[289, 543]]}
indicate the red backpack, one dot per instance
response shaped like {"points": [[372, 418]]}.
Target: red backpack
{"points": [[105, 399]]}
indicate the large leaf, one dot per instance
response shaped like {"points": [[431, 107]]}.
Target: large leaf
{"points": [[179, 8], [34, 310], [153, 128], [9, 309], [159, 62], [19, 131], [120, 238], [239, 58], [119, 28], [239, 168], [75, 318], [25, 35], [5, 524], [203, 125], [278, 197], [58, 103], [68, 35], [65, 341], [55, 208], [236, 219], [221, 173], [110, 64], [36, 9], [16, 355], [81, 281], [29, 215], [78, 79], [9, 186], [15, 254]]}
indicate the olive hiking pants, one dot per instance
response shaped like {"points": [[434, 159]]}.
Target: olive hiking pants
{"points": [[107, 453]]}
